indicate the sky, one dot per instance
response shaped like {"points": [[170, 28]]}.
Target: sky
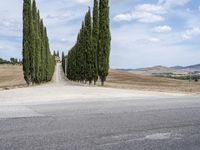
{"points": [[144, 32]]}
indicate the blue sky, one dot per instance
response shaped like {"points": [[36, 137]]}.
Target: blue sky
{"points": [[144, 32]]}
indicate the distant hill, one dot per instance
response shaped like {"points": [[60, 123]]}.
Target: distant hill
{"points": [[177, 67], [192, 68], [164, 69]]}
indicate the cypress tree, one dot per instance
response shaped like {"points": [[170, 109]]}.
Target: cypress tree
{"points": [[88, 47], [26, 39], [89, 58], [47, 54], [63, 61], [34, 39], [42, 51], [83, 53], [95, 38], [38, 63], [104, 40], [78, 58], [38, 49], [58, 55], [80, 46]]}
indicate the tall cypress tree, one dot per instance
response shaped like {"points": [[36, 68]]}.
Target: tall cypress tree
{"points": [[82, 52], [42, 53], [38, 49], [54, 53], [38, 63], [78, 58], [95, 38], [58, 54], [26, 39], [104, 40], [34, 42], [88, 48], [47, 58], [91, 53], [63, 61]]}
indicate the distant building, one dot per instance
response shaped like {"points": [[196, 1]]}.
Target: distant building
{"points": [[57, 59]]}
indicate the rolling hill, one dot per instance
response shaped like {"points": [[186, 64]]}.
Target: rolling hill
{"points": [[181, 70]]}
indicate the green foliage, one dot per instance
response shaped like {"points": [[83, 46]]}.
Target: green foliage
{"points": [[95, 39], [193, 76], [2, 61], [89, 58], [13, 61], [71, 64], [104, 40], [58, 54], [81, 54], [89, 69], [33, 39], [38, 63], [26, 39], [63, 61]]}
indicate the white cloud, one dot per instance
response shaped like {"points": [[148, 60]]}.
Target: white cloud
{"points": [[150, 8], [59, 16], [130, 41], [83, 1], [153, 40], [172, 3], [190, 33], [162, 29], [1, 47], [139, 42], [63, 40], [123, 17], [145, 13]]}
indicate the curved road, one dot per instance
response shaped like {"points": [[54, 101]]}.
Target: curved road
{"points": [[66, 116]]}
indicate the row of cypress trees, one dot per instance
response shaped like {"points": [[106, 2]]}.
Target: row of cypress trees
{"points": [[89, 57], [38, 63]]}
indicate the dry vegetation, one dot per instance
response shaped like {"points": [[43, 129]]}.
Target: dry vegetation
{"points": [[126, 80], [11, 76]]}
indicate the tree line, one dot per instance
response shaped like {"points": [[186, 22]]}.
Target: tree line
{"points": [[38, 63], [88, 59], [56, 53], [13, 61]]}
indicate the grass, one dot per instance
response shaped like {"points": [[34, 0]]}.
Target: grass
{"points": [[11, 76]]}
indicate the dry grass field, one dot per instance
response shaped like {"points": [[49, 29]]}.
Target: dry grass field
{"points": [[11, 76], [126, 80]]}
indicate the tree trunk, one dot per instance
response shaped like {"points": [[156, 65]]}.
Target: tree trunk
{"points": [[102, 83]]}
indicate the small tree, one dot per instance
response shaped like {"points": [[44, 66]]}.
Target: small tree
{"points": [[63, 61]]}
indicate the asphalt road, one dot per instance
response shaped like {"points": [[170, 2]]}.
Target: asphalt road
{"points": [[114, 124], [64, 116]]}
